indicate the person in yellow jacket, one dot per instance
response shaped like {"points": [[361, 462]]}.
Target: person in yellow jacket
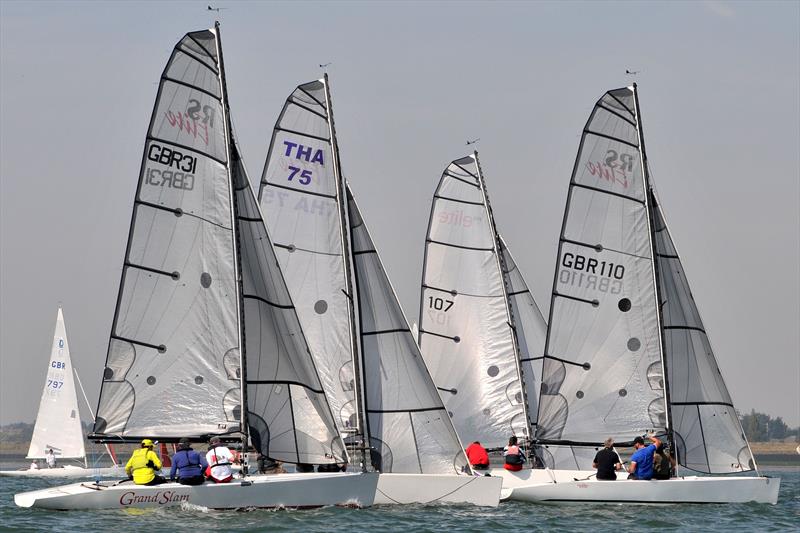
{"points": [[144, 465]]}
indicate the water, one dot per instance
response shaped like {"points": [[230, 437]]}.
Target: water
{"points": [[785, 516]]}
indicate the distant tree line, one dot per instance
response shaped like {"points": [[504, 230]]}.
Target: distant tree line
{"points": [[759, 427]]}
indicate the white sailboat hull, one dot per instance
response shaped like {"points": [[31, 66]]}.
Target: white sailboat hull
{"points": [[68, 471], [434, 488], [279, 490], [690, 489]]}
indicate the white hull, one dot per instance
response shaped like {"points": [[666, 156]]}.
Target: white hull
{"points": [[279, 490], [690, 489], [69, 471], [434, 488]]}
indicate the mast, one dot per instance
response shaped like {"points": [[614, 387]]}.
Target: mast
{"points": [[651, 235], [237, 268], [344, 222], [501, 264]]}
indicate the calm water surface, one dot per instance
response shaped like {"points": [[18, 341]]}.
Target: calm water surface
{"points": [[508, 516]]}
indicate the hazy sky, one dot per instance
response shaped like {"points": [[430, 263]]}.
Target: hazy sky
{"points": [[720, 96]]}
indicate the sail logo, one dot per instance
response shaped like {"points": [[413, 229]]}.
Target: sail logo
{"points": [[458, 218], [196, 120], [615, 168], [160, 498]]}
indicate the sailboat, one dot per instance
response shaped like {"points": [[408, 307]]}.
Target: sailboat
{"points": [[379, 388], [481, 332], [205, 339], [626, 351], [58, 422]]}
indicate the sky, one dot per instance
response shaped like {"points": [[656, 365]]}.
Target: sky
{"points": [[719, 86]]}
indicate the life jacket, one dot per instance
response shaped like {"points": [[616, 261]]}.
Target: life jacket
{"points": [[514, 459], [662, 469], [143, 464]]}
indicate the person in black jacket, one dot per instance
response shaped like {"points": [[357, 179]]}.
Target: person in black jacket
{"points": [[607, 461], [188, 464]]}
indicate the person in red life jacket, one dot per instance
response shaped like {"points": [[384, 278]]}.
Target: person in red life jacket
{"points": [[477, 456], [219, 459], [513, 455]]}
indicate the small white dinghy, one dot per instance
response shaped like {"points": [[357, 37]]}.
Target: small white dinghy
{"points": [[58, 422], [274, 491]]}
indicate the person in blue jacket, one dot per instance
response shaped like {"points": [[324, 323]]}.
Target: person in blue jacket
{"points": [[641, 466], [188, 464]]}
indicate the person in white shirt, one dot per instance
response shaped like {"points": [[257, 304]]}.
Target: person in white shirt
{"points": [[220, 459], [34, 465], [50, 456]]}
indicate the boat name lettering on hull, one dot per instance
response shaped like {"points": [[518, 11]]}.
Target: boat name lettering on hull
{"points": [[159, 498]]}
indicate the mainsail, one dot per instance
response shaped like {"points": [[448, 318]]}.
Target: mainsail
{"points": [[199, 271], [334, 274], [602, 370], [58, 422], [466, 320], [408, 426], [707, 433], [298, 196]]}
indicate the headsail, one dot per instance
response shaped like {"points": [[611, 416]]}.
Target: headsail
{"points": [[465, 329], [58, 422], [409, 429], [707, 432], [531, 330], [298, 196], [288, 415], [602, 372]]}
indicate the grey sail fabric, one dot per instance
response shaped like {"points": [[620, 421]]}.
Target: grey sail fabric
{"points": [[409, 429], [298, 197], [172, 362], [602, 374], [465, 333], [288, 415], [707, 432], [531, 331]]}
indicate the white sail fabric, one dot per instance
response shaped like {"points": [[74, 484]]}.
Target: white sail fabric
{"points": [[298, 197], [288, 414], [409, 429], [602, 369], [465, 333], [173, 357], [707, 432], [58, 422], [531, 331]]}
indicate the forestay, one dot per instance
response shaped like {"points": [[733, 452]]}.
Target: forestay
{"points": [[409, 428], [465, 329], [531, 330], [173, 357], [58, 422], [707, 432], [298, 196], [602, 372], [287, 411]]}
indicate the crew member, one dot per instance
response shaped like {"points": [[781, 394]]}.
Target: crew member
{"points": [[144, 465], [220, 460], [514, 458], [607, 461], [477, 456], [188, 464], [641, 466]]}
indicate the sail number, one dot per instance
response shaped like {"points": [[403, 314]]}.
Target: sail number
{"points": [[305, 175], [440, 304], [54, 384], [58, 364], [589, 273]]}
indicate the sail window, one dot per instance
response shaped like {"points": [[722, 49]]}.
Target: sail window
{"points": [[634, 344], [579, 394], [205, 280], [320, 307], [624, 305], [493, 371], [151, 380], [198, 380]]}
